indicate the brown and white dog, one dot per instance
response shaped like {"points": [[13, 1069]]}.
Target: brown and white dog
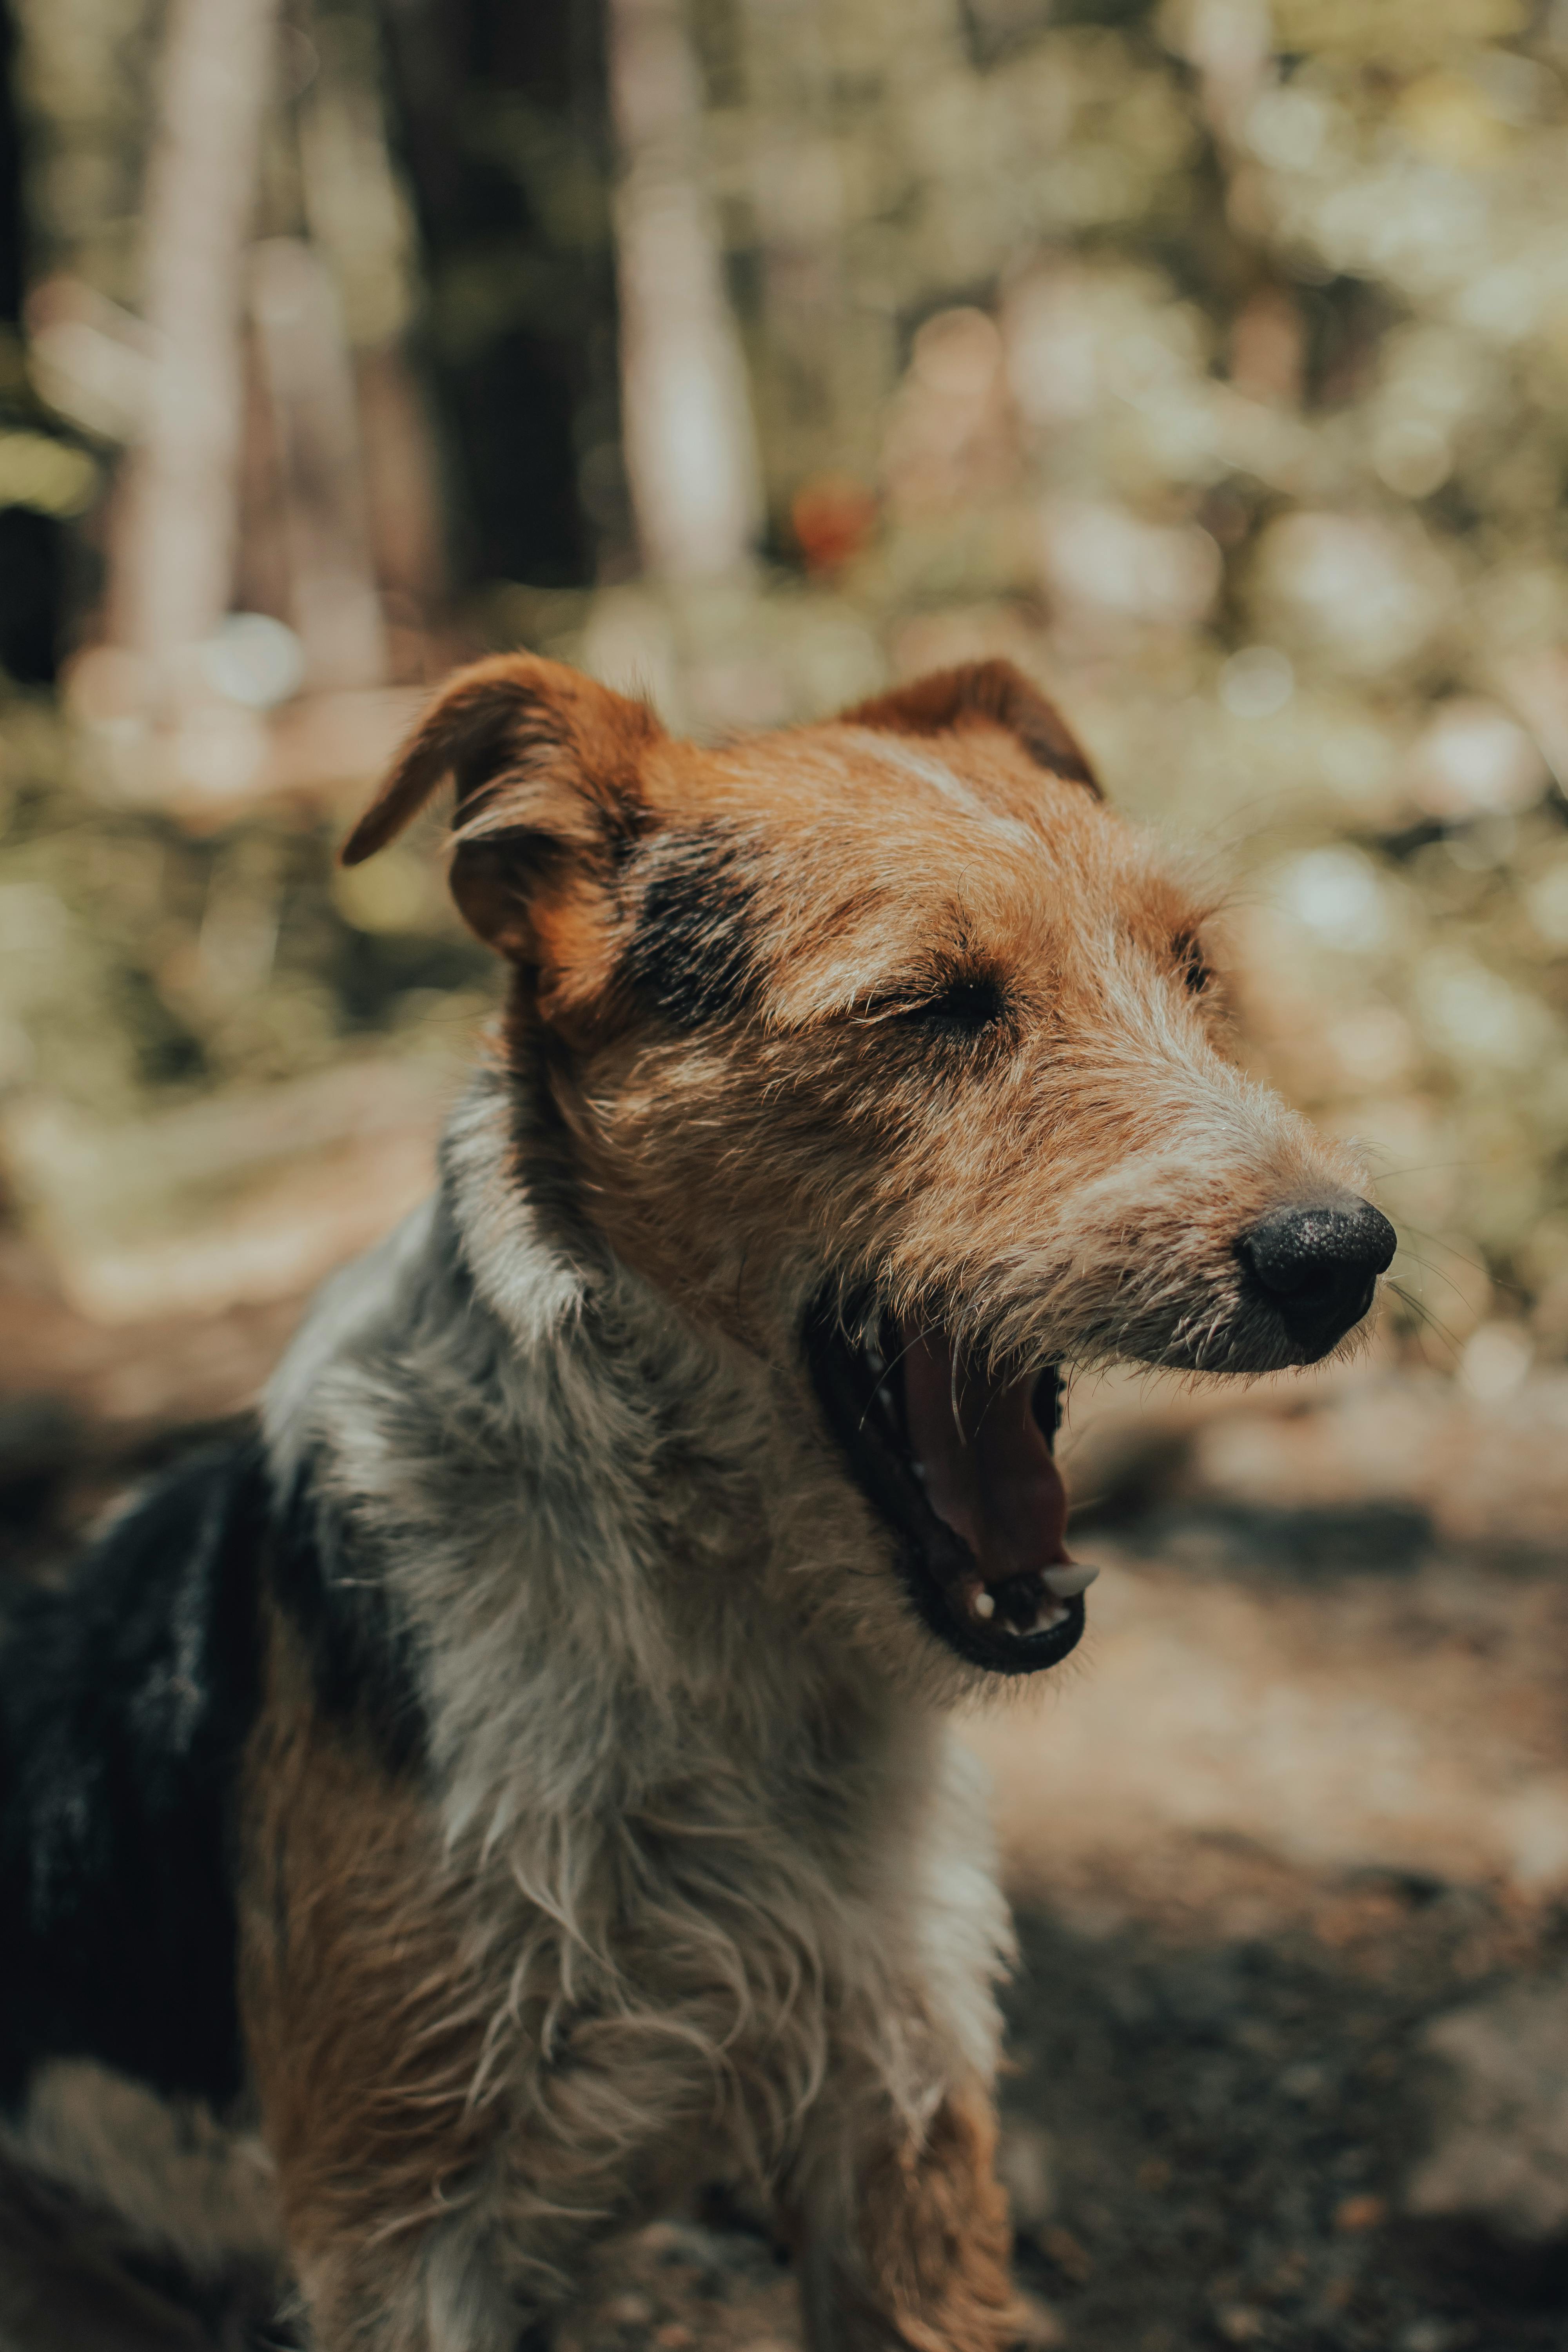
{"points": [[515, 1781]]}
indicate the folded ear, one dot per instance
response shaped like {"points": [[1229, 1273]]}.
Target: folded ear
{"points": [[981, 694], [547, 769]]}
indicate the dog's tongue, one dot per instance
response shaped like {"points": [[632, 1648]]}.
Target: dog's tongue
{"points": [[992, 1480]]}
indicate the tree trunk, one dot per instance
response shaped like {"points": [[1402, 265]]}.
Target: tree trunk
{"points": [[687, 428], [505, 141], [32, 545], [308, 375], [172, 557]]}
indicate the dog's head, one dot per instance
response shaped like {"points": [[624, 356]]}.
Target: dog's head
{"points": [[887, 1045]]}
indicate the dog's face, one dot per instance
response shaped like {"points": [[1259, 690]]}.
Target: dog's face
{"points": [[888, 1047]]}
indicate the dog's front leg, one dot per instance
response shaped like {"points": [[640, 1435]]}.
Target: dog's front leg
{"points": [[442, 2181], [365, 2019], [903, 2235], [423, 2211], [485, 2262]]}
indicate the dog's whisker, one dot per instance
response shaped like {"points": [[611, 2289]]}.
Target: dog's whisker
{"points": [[1425, 1317]]}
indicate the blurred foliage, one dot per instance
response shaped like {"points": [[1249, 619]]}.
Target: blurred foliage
{"points": [[1209, 360], [142, 961]]}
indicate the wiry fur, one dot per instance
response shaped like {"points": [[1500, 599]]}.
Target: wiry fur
{"points": [[599, 1824], [718, 1881]]}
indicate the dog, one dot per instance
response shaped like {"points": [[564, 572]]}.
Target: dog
{"points": [[513, 1780]]}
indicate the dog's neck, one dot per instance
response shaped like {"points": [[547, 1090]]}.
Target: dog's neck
{"points": [[502, 1283], [608, 1556], [561, 1484]]}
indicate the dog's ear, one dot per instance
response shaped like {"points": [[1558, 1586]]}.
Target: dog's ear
{"points": [[547, 769], [981, 694]]}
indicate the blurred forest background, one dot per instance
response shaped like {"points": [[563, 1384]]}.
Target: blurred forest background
{"points": [[1208, 359]]}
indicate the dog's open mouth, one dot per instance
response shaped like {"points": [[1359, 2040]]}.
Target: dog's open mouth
{"points": [[960, 1466]]}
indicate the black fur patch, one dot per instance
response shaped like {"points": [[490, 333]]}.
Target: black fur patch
{"points": [[125, 1699], [360, 1661], [693, 957]]}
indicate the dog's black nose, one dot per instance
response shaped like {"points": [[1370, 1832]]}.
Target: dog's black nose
{"points": [[1318, 1265]]}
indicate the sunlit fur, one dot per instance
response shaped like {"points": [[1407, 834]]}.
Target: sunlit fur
{"points": [[692, 1878], [1069, 1184]]}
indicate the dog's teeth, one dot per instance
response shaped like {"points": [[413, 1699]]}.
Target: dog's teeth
{"points": [[984, 1603], [1047, 1620], [1067, 1581]]}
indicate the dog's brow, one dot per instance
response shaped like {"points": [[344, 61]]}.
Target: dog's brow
{"points": [[930, 770], [692, 955]]}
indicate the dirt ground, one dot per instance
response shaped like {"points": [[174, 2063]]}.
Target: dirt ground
{"points": [[1304, 1799]]}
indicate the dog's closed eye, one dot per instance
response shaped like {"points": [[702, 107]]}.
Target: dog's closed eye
{"points": [[968, 1002], [1191, 962], [954, 1005]]}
